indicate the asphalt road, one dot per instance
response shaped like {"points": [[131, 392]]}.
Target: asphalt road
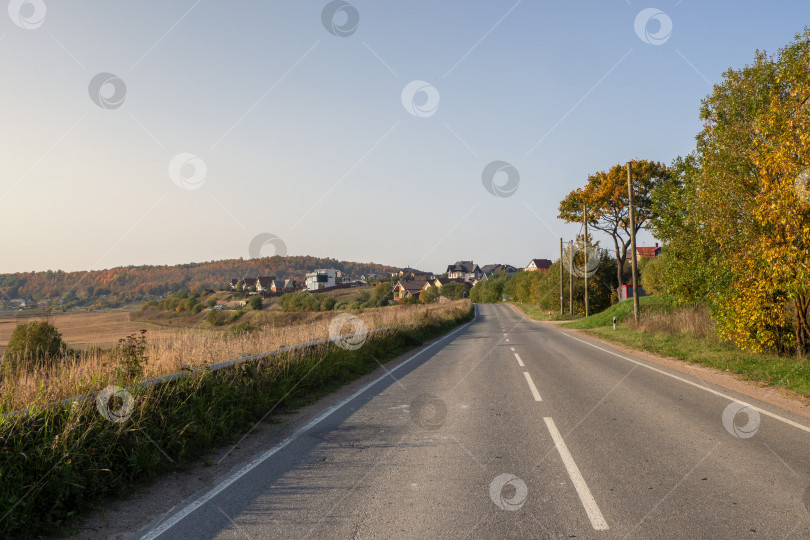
{"points": [[513, 429]]}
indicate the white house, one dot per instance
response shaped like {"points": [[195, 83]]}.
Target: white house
{"points": [[321, 278]]}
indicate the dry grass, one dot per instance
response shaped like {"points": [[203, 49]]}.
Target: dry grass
{"points": [[685, 320], [169, 351]]}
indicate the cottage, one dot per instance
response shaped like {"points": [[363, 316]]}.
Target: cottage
{"points": [[407, 288], [264, 283], [646, 252], [538, 265], [464, 270], [491, 269]]}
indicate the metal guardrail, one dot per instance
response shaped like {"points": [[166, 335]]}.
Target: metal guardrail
{"points": [[157, 381]]}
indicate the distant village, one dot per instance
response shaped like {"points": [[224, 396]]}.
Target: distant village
{"points": [[406, 282]]}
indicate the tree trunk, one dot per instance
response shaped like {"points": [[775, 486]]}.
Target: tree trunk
{"points": [[801, 305], [619, 262]]}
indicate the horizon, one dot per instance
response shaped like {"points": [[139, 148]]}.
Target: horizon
{"points": [[418, 134]]}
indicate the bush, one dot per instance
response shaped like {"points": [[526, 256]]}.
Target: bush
{"points": [[236, 314], [33, 343], [241, 328], [255, 302], [327, 303], [197, 308], [215, 318]]}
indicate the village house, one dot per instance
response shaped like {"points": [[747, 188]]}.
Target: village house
{"points": [[264, 283], [646, 252], [490, 269], [440, 282], [413, 273], [322, 278], [407, 288], [464, 270], [538, 265]]}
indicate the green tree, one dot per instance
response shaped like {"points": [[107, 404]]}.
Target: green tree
{"points": [[429, 295], [31, 344], [737, 222], [215, 317], [454, 290]]}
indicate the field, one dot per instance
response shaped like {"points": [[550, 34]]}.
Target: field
{"points": [[87, 329], [79, 329], [187, 342]]}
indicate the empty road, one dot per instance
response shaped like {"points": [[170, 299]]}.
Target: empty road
{"points": [[508, 428]]}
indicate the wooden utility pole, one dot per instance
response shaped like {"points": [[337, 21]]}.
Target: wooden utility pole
{"points": [[571, 277], [585, 251], [633, 239], [561, 276]]}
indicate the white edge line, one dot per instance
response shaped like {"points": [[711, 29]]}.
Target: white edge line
{"points": [[687, 381], [520, 362], [591, 508], [532, 387], [187, 510]]}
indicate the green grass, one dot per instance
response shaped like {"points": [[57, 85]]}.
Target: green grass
{"points": [[769, 369], [60, 462], [621, 311]]}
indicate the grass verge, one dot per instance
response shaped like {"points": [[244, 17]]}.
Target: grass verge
{"points": [[57, 463], [679, 332]]}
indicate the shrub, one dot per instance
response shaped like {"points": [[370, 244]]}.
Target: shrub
{"points": [[215, 318], [32, 343], [197, 308], [255, 302]]}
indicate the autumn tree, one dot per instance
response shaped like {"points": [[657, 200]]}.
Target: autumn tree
{"points": [[608, 208], [737, 218]]}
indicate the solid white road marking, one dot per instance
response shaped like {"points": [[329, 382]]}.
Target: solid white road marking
{"points": [[687, 381], [520, 362], [184, 512], [532, 387], [591, 508]]}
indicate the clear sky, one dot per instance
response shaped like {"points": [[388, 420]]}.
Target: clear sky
{"points": [[221, 121]]}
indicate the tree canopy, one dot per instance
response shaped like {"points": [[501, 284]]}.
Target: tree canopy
{"points": [[608, 205], [736, 218]]}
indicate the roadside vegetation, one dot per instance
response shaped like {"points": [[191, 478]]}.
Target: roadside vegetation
{"points": [[59, 461], [688, 333]]}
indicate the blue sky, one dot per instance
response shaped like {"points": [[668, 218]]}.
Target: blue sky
{"points": [[303, 134]]}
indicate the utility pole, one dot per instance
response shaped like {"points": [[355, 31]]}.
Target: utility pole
{"points": [[585, 251], [571, 277], [561, 276], [633, 239]]}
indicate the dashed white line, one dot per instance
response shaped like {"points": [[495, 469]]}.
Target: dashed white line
{"points": [[532, 387], [591, 508], [513, 349], [520, 362]]}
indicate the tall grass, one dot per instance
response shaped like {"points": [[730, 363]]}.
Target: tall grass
{"points": [[167, 352], [58, 462]]}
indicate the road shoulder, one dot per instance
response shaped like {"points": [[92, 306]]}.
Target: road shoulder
{"points": [[773, 395]]}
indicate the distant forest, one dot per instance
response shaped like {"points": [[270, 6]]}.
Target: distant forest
{"points": [[130, 283]]}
